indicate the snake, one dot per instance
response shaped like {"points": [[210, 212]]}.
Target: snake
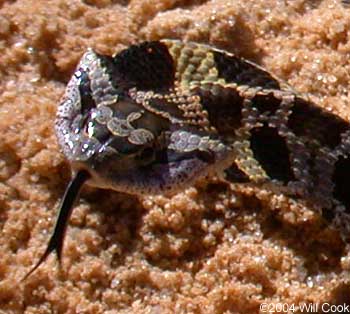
{"points": [[159, 115]]}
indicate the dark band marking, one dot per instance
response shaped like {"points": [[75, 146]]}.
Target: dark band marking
{"points": [[315, 123], [341, 179], [224, 108], [266, 103], [166, 106], [206, 156], [146, 66], [271, 151], [234, 174], [241, 72], [122, 145], [87, 102]]}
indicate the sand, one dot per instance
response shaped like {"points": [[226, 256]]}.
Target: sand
{"points": [[210, 249]]}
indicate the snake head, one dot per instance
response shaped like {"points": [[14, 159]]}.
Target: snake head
{"points": [[120, 120], [120, 127]]}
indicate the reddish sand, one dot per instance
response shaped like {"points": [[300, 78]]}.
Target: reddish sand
{"points": [[211, 249]]}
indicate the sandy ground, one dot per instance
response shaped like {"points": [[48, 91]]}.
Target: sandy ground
{"points": [[213, 248]]}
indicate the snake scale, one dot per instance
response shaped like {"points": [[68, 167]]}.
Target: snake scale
{"points": [[159, 115]]}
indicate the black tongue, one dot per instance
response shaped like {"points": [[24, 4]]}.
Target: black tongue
{"points": [[65, 210]]}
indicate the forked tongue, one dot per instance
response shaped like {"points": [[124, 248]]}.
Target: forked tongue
{"points": [[65, 210]]}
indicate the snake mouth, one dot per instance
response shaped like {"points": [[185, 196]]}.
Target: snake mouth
{"points": [[167, 172], [167, 177], [171, 171]]}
